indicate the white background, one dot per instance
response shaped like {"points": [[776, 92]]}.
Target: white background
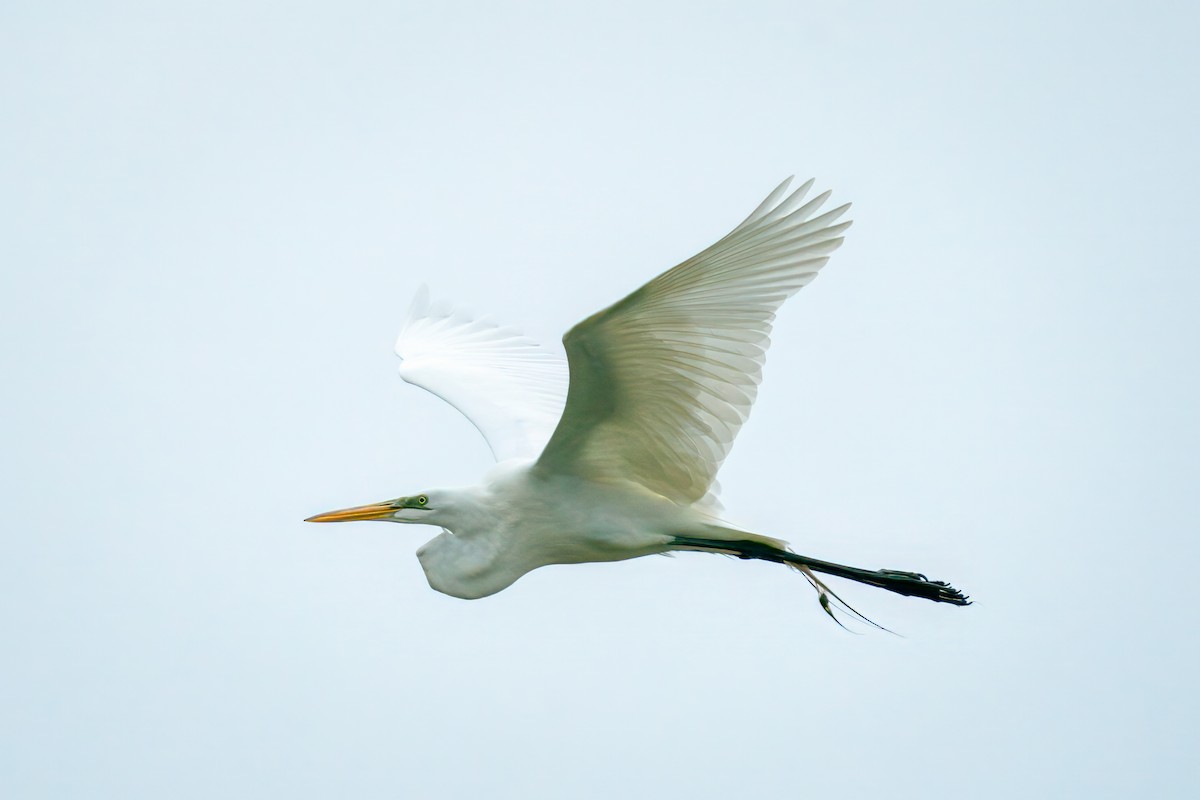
{"points": [[214, 214]]}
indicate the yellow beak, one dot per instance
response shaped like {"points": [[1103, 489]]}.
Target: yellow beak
{"points": [[373, 511]]}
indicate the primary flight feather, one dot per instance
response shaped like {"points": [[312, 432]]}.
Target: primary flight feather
{"points": [[613, 453]]}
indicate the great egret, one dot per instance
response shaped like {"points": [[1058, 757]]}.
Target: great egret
{"points": [[619, 461]]}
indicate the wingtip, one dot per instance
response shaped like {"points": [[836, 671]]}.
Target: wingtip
{"points": [[420, 301]]}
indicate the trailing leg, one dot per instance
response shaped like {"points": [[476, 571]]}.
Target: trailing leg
{"points": [[911, 584]]}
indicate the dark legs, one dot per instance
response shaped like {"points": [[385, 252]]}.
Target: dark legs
{"points": [[912, 584]]}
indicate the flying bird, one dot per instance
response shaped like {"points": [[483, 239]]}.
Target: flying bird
{"points": [[613, 452]]}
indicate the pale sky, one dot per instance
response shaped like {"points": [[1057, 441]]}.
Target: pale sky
{"points": [[213, 216]]}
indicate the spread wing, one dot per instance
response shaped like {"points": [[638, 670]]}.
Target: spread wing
{"points": [[662, 380], [509, 387]]}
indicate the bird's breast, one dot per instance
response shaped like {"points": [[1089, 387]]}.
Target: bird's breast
{"points": [[523, 525]]}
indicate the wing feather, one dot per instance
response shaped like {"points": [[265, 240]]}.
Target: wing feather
{"points": [[661, 381], [508, 386]]}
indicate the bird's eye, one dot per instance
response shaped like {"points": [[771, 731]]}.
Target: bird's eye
{"points": [[422, 500]]}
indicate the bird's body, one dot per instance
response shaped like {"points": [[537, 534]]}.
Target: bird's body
{"points": [[616, 457], [523, 517]]}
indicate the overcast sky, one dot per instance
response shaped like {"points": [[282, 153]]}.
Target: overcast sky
{"points": [[214, 214]]}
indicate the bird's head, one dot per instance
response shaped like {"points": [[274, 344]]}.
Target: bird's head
{"points": [[422, 509]]}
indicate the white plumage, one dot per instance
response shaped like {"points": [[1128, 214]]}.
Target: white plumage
{"points": [[510, 387], [613, 453]]}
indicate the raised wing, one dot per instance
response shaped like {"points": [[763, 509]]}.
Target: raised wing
{"points": [[506, 384], [662, 380]]}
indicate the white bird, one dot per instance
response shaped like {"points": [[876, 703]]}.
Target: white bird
{"points": [[613, 453]]}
